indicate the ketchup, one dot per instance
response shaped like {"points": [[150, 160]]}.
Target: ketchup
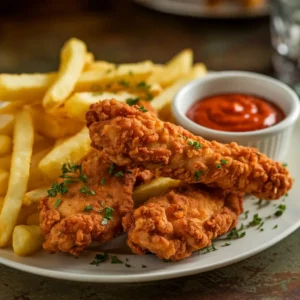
{"points": [[235, 112]]}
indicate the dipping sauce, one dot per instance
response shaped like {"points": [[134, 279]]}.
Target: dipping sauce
{"points": [[235, 112]]}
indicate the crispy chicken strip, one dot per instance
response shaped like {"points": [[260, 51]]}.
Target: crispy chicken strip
{"points": [[88, 211], [184, 220], [130, 136]]}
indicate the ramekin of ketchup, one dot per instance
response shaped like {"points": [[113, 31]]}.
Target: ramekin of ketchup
{"points": [[248, 108], [235, 112]]}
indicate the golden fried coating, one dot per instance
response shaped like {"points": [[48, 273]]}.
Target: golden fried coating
{"points": [[130, 136], [88, 211], [184, 220]]}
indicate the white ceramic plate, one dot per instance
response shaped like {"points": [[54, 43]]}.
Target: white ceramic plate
{"points": [[65, 266], [197, 8]]}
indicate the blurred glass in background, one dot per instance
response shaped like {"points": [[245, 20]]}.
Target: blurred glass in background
{"points": [[285, 34]]}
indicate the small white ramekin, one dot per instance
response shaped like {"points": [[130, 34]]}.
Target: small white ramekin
{"points": [[273, 141]]}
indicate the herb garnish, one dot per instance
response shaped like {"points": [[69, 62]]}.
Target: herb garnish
{"points": [[210, 248], [234, 234], [99, 258], [218, 166], [246, 214], [224, 161], [88, 208], [276, 226], [281, 209], [226, 244], [115, 260], [108, 213], [124, 83], [284, 165], [103, 180], [143, 109], [119, 174], [198, 174], [109, 195], [87, 191], [111, 168], [255, 221], [57, 203], [195, 144], [132, 101], [144, 266], [182, 136], [166, 260]]}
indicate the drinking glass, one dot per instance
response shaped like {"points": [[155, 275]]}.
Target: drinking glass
{"points": [[285, 35]]}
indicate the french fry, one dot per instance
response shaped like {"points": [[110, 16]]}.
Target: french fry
{"points": [[79, 103], [37, 177], [73, 57], [28, 87], [19, 174], [132, 73], [5, 162], [53, 127], [178, 66], [89, 60], [72, 150], [100, 65], [153, 188], [1, 202], [4, 176], [5, 144], [33, 219], [6, 124], [35, 196], [10, 107], [27, 239], [167, 96]]}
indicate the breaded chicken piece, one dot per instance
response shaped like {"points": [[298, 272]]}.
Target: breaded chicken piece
{"points": [[128, 135], [184, 220], [91, 210]]}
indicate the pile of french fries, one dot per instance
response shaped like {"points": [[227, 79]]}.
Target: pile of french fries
{"points": [[42, 126]]}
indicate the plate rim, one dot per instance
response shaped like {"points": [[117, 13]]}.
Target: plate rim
{"points": [[137, 278]]}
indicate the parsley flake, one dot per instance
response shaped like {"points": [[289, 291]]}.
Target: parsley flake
{"points": [[103, 180], [226, 245], [255, 221], [224, 161], [284, 165], [218, 166], [119, 174], [195, 144], [111, 168], [124, 83], [234, 234], [246, 214], [144, 266], [198, 174], [276, 226], [88, 208], [280, 211], [132, 101], [99, 258], [87, 191], [57, 203], [143, 109], [115, 260], [210, 248]]}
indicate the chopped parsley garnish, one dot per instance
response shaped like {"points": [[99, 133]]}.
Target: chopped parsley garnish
{"points": [[226, 244], [255, 221], [143, 109], [166, 260], [234, 234], [87, 191], [218, 166], [132, 101], [224, 161], [109, 195], [286, 195], [99, 258], [198, 174], [108, 213], [260, 225], [57, 203], [281, 209], [128, 265], [143, 84], [276, 226], [103, 180], [115, 260], [111, 168], [124, 83], [88, 208], [182, 136], [246, 214], [284, 165], [211, 248], [196, 145], [261, 229], [144, 266], [119, 174]]}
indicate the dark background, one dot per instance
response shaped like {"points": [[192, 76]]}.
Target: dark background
{"points": [[32, 32]]}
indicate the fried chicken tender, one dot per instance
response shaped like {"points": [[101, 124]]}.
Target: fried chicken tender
{"points": [[184, 220], [91, 210], [130, 136]]}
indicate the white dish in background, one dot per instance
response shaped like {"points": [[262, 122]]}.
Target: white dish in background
{"points": [[274, 140], [66, 267], [198, 8]]}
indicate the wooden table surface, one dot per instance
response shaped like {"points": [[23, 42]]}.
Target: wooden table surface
{"points": [[125, 32]]}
